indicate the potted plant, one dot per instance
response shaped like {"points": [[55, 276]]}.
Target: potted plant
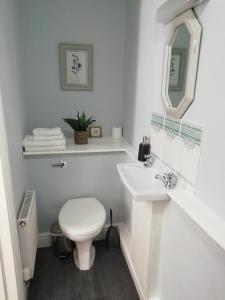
{"points": [[80, 126]]}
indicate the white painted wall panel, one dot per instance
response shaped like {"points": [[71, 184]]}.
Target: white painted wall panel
{"points": [[192, 266]]}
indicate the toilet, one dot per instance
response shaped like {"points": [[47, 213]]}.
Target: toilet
{"points": [[81, 220]]}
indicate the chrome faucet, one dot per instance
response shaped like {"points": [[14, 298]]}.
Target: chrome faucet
{"points": [[149, 161], [168, 179]]}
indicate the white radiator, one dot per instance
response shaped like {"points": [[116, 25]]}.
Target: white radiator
{"points": [[28, 234]]}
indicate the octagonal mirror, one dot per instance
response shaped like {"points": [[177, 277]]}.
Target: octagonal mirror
{"points": [[180, 64]]}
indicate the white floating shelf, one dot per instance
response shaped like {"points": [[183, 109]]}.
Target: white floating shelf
{"points": [[204, 217], [172, 8], [95, 145]]}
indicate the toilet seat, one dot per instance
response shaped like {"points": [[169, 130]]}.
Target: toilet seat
{"points": [[81, 217]]}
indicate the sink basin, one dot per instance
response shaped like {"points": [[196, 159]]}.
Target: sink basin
{"points": [[141, 182]]}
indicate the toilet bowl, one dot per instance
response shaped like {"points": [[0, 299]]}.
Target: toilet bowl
{"points": [[81, 220]]}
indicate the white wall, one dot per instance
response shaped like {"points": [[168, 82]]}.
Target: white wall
{"points": [[209, 90], [192, 266], [130, 67], [45, 24], [12, 96], [139, 104]]}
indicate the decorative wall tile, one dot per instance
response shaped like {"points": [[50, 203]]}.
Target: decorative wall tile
{"points": [[157, 121], [156, 132], [191, 135], [178, 144], [189, 151], [170, 141], [172, 127]]}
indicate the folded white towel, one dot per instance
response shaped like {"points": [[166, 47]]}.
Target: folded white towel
{"points": [[29, 142], [43, 149], [47, 131], [48, 137]]}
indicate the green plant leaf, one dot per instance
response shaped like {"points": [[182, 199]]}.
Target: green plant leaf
{"points": [[80, 123]]}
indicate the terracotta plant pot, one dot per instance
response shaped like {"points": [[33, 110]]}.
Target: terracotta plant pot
{"points": [[81, 137]]}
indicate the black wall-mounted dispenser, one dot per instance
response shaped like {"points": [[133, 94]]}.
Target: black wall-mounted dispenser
{"points": [[144, 148]]}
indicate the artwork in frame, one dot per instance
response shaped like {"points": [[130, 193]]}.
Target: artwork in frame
{"points": [[95, 131], [177, 69], [76, 67]]}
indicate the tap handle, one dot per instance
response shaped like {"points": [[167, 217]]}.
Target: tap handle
{"points": [[172, 180]]}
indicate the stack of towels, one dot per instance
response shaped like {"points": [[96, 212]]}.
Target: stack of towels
{"points": [[45, 139]]}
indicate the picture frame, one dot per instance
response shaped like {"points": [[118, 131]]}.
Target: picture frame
{"points": [[76, 67], [95, 131], [177, 69]]}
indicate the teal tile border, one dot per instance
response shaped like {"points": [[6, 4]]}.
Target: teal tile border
{"points": [[157, 121], [191, 133], [172, 127]]}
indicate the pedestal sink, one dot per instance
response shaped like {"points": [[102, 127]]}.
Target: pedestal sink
{"points": [[141, 183]]}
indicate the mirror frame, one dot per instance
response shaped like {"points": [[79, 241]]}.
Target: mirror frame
{"points": [[189, 19]]}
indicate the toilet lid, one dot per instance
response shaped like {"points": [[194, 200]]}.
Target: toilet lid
{"points": [[82, 216]]}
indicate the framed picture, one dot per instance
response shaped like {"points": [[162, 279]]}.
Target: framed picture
{"points": [[177, 69], [95, 131], [76, 67]]}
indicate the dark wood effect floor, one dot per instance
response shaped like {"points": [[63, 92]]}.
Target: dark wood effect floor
{"points": [[108, 279]]}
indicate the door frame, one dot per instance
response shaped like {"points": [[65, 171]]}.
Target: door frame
{"points": [[11, 265], [2, 285]]}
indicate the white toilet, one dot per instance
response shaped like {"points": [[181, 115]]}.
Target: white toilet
{"points": [[81, 220]]}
